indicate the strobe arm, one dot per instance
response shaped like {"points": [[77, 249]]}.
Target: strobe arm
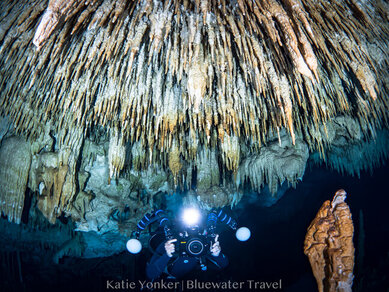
{"points": [[226, 219], [216, 216], [144, 222], [164, 222], [211, 223], [148, 219], [242, 234], [134, 246]]}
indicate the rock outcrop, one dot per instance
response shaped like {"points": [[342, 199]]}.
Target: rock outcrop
{"points": [[329, 245]]}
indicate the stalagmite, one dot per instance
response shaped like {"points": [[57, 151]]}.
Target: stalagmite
{"points": [[329, 245]]}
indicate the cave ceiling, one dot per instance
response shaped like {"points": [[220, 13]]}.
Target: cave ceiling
{"points": [[108, 105]]}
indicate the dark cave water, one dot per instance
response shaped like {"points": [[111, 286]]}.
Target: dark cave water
{"points": [[273, 253], [275, 250]]}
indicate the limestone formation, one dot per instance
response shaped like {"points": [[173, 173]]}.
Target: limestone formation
{"points": [[192, 96], [349, 152], [53, 176], [275, 163], [157, 72], [14, 168], [116, 154], [329, 245]]}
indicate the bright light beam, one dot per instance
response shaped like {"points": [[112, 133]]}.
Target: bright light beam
{"points": [[191, 216]]}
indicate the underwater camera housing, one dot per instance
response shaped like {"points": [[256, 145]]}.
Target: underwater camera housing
{"points": [[191, 241], [194, 238], [194, 244]]}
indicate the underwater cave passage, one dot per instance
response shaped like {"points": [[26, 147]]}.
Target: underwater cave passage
{"points": [[267, 119]]}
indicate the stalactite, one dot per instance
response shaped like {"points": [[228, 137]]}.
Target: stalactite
{"points": [[230, 151], [56, 11], [116, 154], [288, 160], [52, 176], [14, 168], [175, 164], [169, 78], [345, 137]]}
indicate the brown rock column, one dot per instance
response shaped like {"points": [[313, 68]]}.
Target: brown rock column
{"points": [[329, 245]]}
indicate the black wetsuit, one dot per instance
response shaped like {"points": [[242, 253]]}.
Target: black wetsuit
{"points": [[180, 266]]}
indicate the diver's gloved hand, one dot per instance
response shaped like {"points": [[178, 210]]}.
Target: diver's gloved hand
{"points": [[170, 247], [215, 248]]}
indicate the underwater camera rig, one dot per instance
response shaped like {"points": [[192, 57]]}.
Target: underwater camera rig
{"points": [[192, 238]]}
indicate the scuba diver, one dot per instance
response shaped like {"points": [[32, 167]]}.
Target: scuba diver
{"points": [[181, 248]]}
